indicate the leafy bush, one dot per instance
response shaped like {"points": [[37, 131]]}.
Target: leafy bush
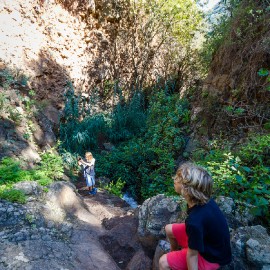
{"points": [[147, 162], [11, 172], [243, 175], [45, 181], [126, 120], [13, 195], [6, 78], [51, 164], [70, 160], [116, 188]]}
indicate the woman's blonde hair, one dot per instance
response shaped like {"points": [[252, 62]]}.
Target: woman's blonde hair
{"points": [[196, 181], [88, 155]]}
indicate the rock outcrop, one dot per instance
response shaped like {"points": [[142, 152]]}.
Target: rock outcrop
{"points": [[154, 214], [61, 229], [54, 230], [87, 43]]}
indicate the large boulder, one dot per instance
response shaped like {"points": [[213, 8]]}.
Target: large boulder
{"points": [[140, 262], [250, 246], [237, 213], [121, 241], [63, 201], [154, 214], [29, 187]]}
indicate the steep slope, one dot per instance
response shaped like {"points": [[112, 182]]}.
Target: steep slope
{"points": [[235, 95], [51, 46]]}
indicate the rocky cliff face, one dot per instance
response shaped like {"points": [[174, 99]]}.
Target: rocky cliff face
{"points": [[92, 44], [51, 44]]}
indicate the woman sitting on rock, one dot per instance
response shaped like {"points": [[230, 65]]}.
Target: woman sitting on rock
{"points": [[204, 237], [89, 171]]}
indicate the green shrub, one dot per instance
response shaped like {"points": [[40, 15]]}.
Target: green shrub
{"points": [[126, 120], [11, 172], [147, 162], [45, 181], [116, 188], [70, 160], [51, 164], [243, 175], [6, 78], [13, 195]]}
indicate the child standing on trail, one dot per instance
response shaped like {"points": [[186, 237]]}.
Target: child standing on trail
{"points": [[89, 171], [204, 237]]}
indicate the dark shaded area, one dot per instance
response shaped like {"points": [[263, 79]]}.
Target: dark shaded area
{"points": [[51, 79], [76, 7], [12, 142]]}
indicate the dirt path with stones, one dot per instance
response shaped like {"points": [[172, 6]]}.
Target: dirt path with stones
{"points": [[30, 241]]}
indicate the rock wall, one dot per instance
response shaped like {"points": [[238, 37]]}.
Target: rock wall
{"points": [[53, 42]]}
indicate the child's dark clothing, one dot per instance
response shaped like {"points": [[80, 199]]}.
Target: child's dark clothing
{"points": [[208, 233]]}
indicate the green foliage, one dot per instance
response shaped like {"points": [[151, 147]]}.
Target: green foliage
{"points": [[13, 195], [75, 135], [146, 162], [234, 111], [9, 77], [78, 136], [51, 164], [180, 18], [128, 119], [263, 72], [3, 101], [45, 181], [6, 78], [234, 22], [116, 188], [243, 175], [14, 115], [11, 172], [70, 160]]}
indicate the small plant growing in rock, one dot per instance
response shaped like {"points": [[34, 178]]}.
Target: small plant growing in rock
{"points": [[264, 72], [116, 188]]}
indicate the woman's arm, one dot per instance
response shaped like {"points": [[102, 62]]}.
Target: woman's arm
{"points": [[85, 163], [192, 259]]}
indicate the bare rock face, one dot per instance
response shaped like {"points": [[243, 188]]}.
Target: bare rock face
{"points": [[237, 213], [154, 214], [158, 253], [121, 241], [29, 188], [54, 230], [140, 262], [56, 41], [251, 247]]}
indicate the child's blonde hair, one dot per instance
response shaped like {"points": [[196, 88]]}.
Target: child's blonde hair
{"points": [[196, 181], [88, 156]]}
